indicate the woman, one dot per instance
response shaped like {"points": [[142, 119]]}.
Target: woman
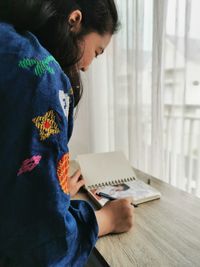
{"points": [[43, 46]]}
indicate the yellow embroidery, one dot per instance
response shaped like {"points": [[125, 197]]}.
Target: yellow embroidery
{"points": [[62, 172], [71, 92], [46, 125]]}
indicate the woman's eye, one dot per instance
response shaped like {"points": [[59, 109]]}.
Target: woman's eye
{"points": [[96, 54]]}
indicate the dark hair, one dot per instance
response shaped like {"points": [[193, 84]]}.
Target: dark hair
{"points": [[48, 20]]}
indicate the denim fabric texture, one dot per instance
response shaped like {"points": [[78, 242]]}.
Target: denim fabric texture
{"points": [[39, 225]]}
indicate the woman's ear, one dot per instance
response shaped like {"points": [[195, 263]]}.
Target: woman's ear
{"points": [[74, 20]]}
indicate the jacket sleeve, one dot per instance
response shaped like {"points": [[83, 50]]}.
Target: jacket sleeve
{"points": [[40, 226]]}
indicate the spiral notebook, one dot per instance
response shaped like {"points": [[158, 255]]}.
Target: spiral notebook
{"points": [[112, 174]]}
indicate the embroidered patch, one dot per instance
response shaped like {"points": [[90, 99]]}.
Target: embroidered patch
{"points": [[62, 172], [64, 101], [46, 125], [41, 66], [29, 164]]}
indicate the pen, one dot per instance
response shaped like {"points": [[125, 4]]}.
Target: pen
{"points": [[101, 194]]}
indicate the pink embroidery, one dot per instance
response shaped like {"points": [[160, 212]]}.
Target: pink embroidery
{"points": [[29, 164]]}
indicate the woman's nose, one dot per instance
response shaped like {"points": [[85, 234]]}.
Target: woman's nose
{"points": [[84, 69]]}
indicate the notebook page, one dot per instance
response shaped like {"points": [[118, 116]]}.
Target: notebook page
{"points": [[104, 167], [138, 190]]}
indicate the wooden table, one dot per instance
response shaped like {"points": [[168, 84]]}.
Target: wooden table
{"points": [[166, 232]]}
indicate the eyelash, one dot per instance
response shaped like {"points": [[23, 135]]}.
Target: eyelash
{"points": [[96, 54]]}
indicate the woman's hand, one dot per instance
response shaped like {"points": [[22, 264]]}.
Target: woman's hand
{"points": [[75, 182], [116, 216]]}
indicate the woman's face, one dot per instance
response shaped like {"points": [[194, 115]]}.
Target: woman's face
{"points": [[93, 45]]}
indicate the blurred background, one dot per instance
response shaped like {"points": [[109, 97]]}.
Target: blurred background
{"points": [[143, 95]]}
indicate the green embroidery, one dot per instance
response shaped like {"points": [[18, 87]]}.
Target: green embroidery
{"points": [[41, 67]]}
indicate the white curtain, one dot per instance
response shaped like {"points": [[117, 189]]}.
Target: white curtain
{"points": [[182, 95], [143, 95]]}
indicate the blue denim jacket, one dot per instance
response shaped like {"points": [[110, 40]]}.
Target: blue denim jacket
{"points": [[39, 225]]}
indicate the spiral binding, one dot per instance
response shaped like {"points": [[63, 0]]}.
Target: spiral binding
{"points": [[115, 182]]}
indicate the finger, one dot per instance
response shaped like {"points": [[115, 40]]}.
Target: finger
{"points": [[81, 182], [130, 201], [76, 175]]}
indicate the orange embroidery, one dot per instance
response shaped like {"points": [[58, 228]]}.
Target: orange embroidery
{"points": [[62, 172], [46, 125]]}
